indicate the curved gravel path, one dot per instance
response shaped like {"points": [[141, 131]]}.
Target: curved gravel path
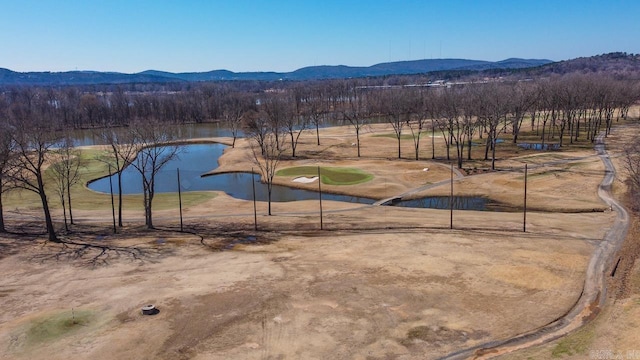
{"points": [[593, 295]]}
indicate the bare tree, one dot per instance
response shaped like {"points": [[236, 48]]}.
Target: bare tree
{"points": [[120, 107], [632, 168], [34, 137], [469, 108], [267, 153], [317, 107], [494, 113], [256, 126], [447, 110], [6, 151], [421, 110], [66, 172], [276, 107], [233, 108], [123, 150], [523, 98], [155, 148], [396, 105], [295, 120], [354, 107]]}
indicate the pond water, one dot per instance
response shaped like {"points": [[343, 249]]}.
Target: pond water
{"points": [[442, 202], [196, 159], [539, 146]]}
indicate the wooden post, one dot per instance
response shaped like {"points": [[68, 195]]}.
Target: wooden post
{"points": [[451, 201], [113, 206], [179, 198], [255, 211], [320, 196], [524, 220], [433, 141]]}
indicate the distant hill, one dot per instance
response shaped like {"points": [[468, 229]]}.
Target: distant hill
{"points": [[8, 77], [615, 64]]}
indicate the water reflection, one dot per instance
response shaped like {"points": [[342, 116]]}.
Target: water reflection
{"points": [[196, 159], [443, 202], [539, 146]]}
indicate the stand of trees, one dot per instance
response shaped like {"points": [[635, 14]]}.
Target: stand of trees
{"points": [[33, 134], [154, 146], [132, 120], [632, 167]]}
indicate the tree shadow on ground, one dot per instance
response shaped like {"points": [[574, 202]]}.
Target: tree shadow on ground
{"points": [[220, 237], [93, 246]]}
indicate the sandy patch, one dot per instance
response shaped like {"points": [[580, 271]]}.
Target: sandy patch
{"points": [[305, 180]]}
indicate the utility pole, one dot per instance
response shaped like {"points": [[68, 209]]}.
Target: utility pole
{"points": [[255, 211], [451, 201], [524, 220], [320, 196], [179, 197], [113, 207]]}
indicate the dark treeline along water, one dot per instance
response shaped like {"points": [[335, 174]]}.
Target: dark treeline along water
{"points": [[196, 159], [85, 137]]}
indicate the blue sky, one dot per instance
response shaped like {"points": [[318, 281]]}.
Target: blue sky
{"points": [[253, 35]]}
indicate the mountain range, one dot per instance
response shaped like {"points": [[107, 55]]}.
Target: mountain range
{"points": [[8, 77]]}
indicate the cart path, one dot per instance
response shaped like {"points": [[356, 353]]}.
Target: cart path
{"points": [[593, 295]]}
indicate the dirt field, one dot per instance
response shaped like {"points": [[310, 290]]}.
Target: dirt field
{"points": [[614, 333], [376, 283]]}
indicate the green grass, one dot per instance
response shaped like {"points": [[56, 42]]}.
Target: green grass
{"points": [[56, 326], [574, 344], [329, 175]]}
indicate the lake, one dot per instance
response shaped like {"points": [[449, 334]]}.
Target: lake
{"points": [[197, 159]]}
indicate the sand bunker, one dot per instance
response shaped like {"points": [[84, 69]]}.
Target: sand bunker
{"points": [[305, 180]]}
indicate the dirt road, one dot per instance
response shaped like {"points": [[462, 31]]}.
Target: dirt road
{"points": [[594, 292]]}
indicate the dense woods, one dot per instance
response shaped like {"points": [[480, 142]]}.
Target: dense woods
{"points": [[558, 110]]}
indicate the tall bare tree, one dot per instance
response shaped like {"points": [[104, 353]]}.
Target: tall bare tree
{"points": [[266, 154], [34, 137], [396, 105], [421, 111], [66, 172], [632, 168], [296, 120], [523, 98], [316, 107], [277, 109], [121, 142], [256, 126], [155, 148], [494, 111], [354, 107], [234, 106], [6, 151]]}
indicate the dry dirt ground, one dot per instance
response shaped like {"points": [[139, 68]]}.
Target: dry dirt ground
{"points": [[615, 333], [376, 283]]}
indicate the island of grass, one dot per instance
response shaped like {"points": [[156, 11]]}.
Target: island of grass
{"points": [[329, 175], [53, 327]]}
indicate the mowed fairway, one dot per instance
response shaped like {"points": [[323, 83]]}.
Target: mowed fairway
{"points": [[376, 283]]}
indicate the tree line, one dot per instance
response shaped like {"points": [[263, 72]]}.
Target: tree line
{"points": [[35, 123]]}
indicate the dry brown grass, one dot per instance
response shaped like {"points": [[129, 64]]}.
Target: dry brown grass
{"points": [[378, 282]]}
